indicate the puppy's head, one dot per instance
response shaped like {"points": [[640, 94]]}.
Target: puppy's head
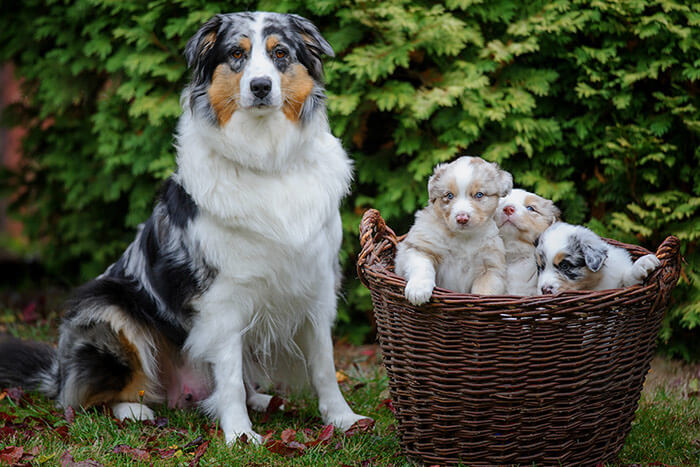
{"points": [[465, 192], [256, 62], [569, 258], [523, 216]]}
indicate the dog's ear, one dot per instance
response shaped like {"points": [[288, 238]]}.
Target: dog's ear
{"points": [[504, 181], [433, 192], [315, 45], [202, 42], [553, 211], [594, 249]]}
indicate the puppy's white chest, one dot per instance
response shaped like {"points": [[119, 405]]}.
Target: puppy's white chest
{"points": [[456, 271]]}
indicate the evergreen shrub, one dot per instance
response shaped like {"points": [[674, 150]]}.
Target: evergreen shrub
{"points": [[593, 104]]}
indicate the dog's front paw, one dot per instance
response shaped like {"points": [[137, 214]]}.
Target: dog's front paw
{"points": [[345, 421], [418, 291], [643, 267], [250, 436]]}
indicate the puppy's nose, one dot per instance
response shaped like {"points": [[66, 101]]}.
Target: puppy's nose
{"points": [[261, 86], [547, 290], [509, 210], [462, 218]]}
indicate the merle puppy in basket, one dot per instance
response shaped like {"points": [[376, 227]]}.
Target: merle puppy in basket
{"points": [[572, 257], [454, 241]]}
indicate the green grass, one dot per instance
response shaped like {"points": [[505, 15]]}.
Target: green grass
{"points": [[666, 429]]}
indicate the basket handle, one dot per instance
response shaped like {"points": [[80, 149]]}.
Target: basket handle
{"points": [[373, 230], [670, 268]]}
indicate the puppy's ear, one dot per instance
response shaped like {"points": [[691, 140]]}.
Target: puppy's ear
{"points": [[554, 211], [433, 191], [201, 43], [595, 250], [316, 45], [504, 181]]}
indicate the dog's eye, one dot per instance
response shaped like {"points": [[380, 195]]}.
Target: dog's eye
{"points": [[238, 53], [449, 195], [280, 53], [565, 265], [478, 195], [531, 209]]}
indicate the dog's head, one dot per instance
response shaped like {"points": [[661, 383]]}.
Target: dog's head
{"points": [[256, 62], [569, 257], [523, 216], [466, 192]]}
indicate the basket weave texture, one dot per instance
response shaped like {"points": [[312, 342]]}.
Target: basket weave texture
{"points": [[514, 380]]}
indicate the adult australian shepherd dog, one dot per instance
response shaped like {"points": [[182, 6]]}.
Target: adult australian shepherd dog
{"points": [[232, 281]]}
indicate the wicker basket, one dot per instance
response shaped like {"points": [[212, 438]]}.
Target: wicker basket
{"points": [[514, 380]]}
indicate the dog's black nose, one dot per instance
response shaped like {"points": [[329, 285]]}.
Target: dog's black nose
{"points": [[547, 290], [261, 86]]}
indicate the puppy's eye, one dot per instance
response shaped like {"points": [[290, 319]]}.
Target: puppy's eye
{"points": [[238, 53], [478, 195], [565, 265], [449, 195], [531, 209], [280, 53]]}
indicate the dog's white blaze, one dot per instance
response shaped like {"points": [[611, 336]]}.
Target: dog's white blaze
{"points": [[260, 66]]}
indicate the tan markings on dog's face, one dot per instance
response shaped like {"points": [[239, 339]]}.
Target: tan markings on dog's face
{"points": [[296, 84], [589, 280], [558, 258], [245, 44], [224, 93], [271, 42]]}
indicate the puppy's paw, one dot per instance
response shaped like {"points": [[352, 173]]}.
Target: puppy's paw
{"points": [[132, 411], [418, 291], [643, 267]]}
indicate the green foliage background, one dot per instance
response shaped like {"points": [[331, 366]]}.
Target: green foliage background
{"points": [[593, 104]]}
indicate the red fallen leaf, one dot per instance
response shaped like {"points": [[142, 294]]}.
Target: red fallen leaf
{"points": [[278, 447], [11, 454], [267, 436], [199, 453], [62, 432], [68, 461], [368, 462], [29, 313], [363, 425], [7, 417], [323, 438], [272, 407], [368, 352], [288, 435], [166, 453], [134, 453], [69, 415], [388, 404]]}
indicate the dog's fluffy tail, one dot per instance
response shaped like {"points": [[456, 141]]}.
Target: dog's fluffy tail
{"points": [[29, 365]]}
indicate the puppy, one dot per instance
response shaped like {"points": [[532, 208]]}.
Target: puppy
{"points": [[454, 241], [231, 283], [521, 218], [572, 257]]}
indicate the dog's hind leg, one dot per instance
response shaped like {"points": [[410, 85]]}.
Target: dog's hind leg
{"points": [[257, 401], [100, 365]]}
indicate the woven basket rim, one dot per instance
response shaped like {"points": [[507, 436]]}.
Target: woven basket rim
{"points": [[369, 265]]}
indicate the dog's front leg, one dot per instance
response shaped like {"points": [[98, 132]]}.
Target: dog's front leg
{"points": [[228, 401], [317, 346]]}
